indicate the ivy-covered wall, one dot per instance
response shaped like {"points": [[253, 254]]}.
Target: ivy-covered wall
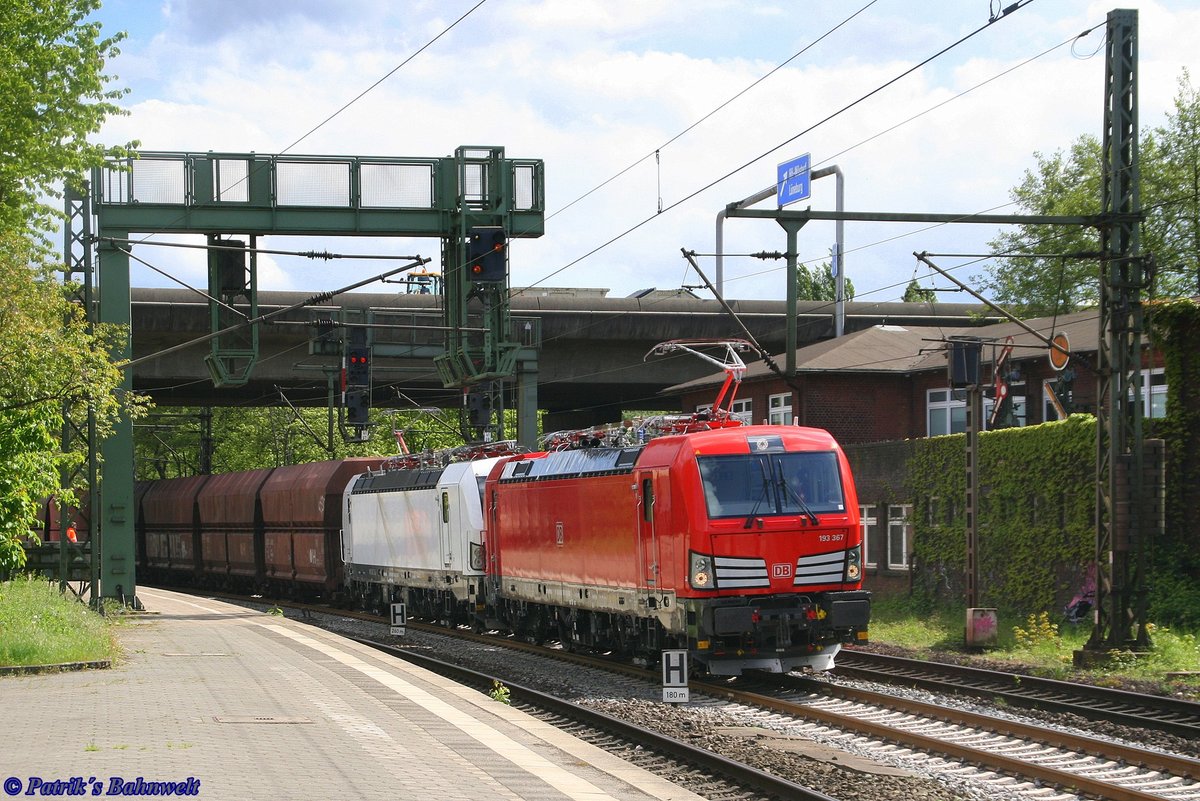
{"points": [[1037, 500], [1036, 529], [1175, 584]]}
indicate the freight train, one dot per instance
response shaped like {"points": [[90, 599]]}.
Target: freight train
{"points": [[741, 544]]}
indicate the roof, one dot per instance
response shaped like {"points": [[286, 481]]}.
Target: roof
{"points": [[904, 350]]}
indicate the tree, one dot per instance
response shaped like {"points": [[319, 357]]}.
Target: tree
{"points": [[1057, 279], [817, 283], [53, 96], [915, 293], [252, 438], [54, 366]]}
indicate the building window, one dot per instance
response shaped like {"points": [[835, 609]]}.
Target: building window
{"points": [[741, 409], [870, 525], [779, 409], [944, 414], [1154, 393], [899, 534], [947, 415], [932, 510]]}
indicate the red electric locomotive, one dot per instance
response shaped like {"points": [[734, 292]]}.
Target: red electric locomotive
{"points": [[739, 543]]}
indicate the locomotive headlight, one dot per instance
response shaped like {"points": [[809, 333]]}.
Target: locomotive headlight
{"points": [[700, 572], [854, 564]]}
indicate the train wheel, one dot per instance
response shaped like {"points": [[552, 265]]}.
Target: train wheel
{"points": [[564, 636], [538, 630]]}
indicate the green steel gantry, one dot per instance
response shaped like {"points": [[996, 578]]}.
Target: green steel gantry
{"points": [[224, 195]]}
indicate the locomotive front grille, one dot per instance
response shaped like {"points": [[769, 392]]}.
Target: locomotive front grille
{"points": [[738, 573], [821, 568]]}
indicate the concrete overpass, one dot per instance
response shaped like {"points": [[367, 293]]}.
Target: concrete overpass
{"points": [[587, 350]]}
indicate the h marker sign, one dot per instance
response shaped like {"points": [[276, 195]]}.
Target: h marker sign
{"points": [[399, 619], [675, 676]]}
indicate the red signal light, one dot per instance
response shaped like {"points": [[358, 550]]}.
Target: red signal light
{"points": [[486, 254]]}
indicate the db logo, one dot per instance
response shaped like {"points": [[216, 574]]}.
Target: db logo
{"points": [[781, 570]]}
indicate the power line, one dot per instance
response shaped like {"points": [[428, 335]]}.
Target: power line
{"points": [[389, 74], [1008, 12], [702, 119]]}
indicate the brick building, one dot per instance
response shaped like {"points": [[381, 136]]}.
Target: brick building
{"points": [[878, 389]]}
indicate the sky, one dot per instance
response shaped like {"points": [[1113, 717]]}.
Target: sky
{"points": [[678, 105]]}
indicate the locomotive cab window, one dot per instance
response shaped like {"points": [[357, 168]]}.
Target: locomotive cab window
{"points": [[648, 500], [773, 484]]}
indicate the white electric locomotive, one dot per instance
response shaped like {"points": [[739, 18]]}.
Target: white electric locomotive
{"points": [[414, 533]]}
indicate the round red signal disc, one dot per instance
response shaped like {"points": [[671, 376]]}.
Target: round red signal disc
{"points": [[1059, 358]]}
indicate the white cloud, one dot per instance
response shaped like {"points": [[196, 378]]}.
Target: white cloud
{"points": [[594, 87]]}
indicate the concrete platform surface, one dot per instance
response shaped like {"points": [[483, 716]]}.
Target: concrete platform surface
{"points": [[218, 702]]}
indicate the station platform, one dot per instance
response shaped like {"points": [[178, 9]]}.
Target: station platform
{"points": [[219, 702]]}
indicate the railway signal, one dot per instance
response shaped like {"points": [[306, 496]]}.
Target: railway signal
{"points": [[487, 257], [357, 403], [358, 359], [356, 382], [479, 407]]}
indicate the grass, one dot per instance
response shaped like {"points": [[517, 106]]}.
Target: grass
{"points": [[41, 626], [1042, 644]]}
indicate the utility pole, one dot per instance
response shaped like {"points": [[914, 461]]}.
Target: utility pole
{"points": [[1121, 523]]}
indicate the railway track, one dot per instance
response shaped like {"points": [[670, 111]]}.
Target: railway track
{"points": [[1007, 758], [1026, 759], [719, 776], [1049, 757], [1160, 713]]}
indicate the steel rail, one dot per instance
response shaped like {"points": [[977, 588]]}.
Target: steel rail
{"points": [[1105, 749], [1182, 767], [737, 772], [976, 756], [1161, 713]]}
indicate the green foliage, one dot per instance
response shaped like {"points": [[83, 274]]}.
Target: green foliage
{"points": [[1037, 501], [29, 463], [1175, 593], [1039, 645], [248, 439], [817, 283], [1068, 183], [500, 693], [53, 367], [41, 626], [1038, 631], [915, 293], [1035, 522], [53, 96], [912, 623]]}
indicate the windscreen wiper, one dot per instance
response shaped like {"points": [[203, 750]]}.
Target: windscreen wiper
{"points": [[790, 491], [766, 484]]}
